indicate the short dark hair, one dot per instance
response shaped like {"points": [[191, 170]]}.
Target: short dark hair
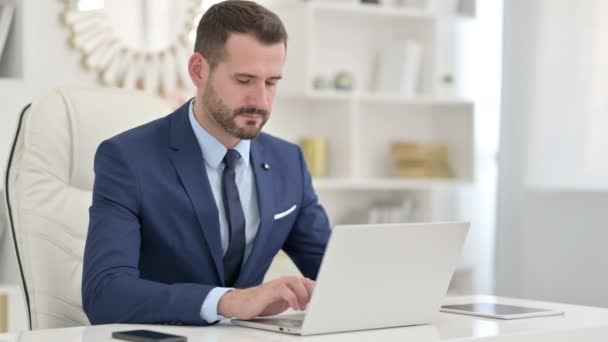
{"points": [[239, 16]]}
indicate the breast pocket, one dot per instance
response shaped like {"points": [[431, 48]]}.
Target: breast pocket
{"points": [[285, 213]]}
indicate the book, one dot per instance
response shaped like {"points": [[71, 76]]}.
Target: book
{"points": [[6, 17], [3, 313], [420, 160], [404, 151], [398, 68], [315, 155]]}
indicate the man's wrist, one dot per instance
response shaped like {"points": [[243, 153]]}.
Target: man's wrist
{"points": [[209, 308], [225, 304]]}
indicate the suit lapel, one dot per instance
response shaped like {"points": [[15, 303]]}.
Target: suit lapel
{"points": [[187, 158], [265, 190]]}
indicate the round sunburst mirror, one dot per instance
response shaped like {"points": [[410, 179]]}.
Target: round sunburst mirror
{"points": [[135, 44]]}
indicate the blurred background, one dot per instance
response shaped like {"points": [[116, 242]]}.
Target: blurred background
{"points": [[406, 110]]}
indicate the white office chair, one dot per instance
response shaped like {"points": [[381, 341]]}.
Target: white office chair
{"points": [[49, 180]]}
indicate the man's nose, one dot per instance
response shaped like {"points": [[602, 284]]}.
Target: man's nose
{"points": [[259, 97]]}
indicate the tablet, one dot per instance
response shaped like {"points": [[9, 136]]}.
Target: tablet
{"points": [[500, 311]]}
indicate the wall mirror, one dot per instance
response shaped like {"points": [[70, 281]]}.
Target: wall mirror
{"points": [[135, 44]]}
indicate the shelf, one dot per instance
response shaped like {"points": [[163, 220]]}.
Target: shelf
{"points": [[421, 100], [373, 10], [386, 184], [378, 10], [16, 312], [11, 82], [330, 95]]}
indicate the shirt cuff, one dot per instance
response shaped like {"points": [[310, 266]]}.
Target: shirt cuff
{"points": [[209, 308]]}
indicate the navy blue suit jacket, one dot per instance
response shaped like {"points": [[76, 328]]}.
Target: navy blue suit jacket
{"points": [[153, 249]]}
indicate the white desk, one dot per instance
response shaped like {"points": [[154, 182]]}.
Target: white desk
{"points": [[578, 324]]}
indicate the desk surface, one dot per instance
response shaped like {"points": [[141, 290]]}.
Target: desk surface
{"points": [[579, 323]]}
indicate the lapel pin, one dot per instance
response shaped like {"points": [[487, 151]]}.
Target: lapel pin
{"points": [[266, 166]]}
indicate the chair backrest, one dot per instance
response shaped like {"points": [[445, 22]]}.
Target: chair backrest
{"points": [[49, 181]]}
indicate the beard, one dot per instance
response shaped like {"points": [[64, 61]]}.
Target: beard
{"points": [[225, 117]]}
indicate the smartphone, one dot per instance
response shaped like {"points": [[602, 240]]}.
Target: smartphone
{"points": [[147, 336]]}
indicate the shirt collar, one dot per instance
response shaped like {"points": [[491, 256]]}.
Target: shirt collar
{"points": [[213, 150]]}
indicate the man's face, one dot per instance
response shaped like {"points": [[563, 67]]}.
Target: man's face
{"points": [[240, 90]]}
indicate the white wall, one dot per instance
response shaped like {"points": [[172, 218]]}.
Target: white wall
{"points": [[569, 65], [478, 204], [551, 242]]}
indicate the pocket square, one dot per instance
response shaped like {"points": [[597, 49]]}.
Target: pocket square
{"points": [[285, 213]]}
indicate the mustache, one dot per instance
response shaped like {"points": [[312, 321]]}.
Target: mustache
{"points": [[251, 110]]}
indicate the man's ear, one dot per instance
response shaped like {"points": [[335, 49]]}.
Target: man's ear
{"points": [[198, 68]]}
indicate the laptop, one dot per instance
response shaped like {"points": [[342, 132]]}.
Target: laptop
{"points": [[377, 276]]}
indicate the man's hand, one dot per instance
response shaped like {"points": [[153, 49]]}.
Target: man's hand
{"points": [[267, 299]]}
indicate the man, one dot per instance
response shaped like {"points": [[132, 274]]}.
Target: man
{"points": [[189, 210]]}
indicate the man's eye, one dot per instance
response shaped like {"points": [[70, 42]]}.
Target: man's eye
{"points": [[243, 81], [271, 84]]}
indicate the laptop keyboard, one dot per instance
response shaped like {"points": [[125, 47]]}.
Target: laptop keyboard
{"points": [[290, 321]]}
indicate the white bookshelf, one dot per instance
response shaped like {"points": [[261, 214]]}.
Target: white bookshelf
{"points": [[330, 36], [326, 37], [16, 310]]}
